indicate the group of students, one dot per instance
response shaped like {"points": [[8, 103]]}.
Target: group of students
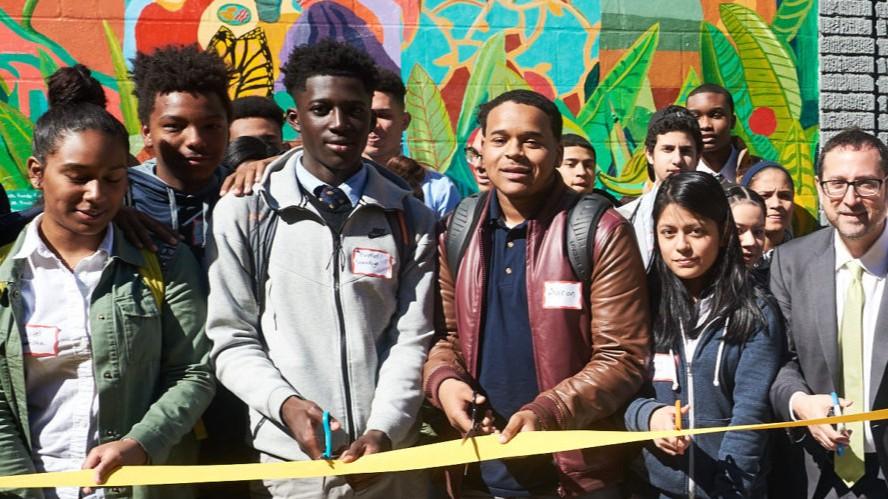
{"points": [[217, 295]]}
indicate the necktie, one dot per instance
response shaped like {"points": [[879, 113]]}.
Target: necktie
{"points": [[850, 465], [332, 197]]}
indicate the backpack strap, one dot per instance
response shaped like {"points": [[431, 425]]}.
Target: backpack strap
{"points": [[582, 222], [459, 231], [262, 228]]}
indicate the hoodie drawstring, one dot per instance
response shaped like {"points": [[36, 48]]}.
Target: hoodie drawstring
{"points": [[719, 355]]}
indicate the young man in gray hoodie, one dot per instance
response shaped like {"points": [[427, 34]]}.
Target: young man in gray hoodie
{"points": [[321, 288]]}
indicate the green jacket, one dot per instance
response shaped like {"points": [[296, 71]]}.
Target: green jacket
{"points": [[152, 372]]}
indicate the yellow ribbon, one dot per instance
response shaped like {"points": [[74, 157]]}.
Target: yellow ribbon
{"points": [[427, 456]]}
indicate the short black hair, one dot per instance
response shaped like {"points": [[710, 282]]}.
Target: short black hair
{"points": [[856, 139], [528, 98], [247, 148], [391, 83], [62, 120], [73, 85], [574, 140], [712, 88], [179, 68], [673, 119], [255, 106], [329, 57]]}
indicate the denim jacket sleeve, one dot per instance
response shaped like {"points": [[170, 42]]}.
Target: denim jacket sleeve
{"points": [[742, 452], [186, 380]]}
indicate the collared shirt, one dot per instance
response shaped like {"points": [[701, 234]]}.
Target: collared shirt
{"points": [[439, 193], [640, 214], [353, 187], [506, 342], [875, 268], [61, 389], [728, 171]]}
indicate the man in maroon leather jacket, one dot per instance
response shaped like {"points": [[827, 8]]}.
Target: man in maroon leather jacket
{"points": [[588, 342]]}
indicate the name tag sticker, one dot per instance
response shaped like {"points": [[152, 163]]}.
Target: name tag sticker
{"points": [[563, 294], [43, 341], [664, 367], [371, 262]]}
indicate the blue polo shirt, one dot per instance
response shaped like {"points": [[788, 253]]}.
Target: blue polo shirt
{"points": [[506, 368]]}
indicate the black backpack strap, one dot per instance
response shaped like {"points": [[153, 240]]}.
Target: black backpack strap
{"points": [[264, 222], [582, 221], [462, 225]]}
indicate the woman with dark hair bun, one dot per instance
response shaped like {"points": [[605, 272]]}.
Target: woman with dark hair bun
{"points": [[718, 339], [75, 85]]}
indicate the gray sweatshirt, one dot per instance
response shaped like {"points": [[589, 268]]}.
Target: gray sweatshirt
{"points": [[346, 323]]}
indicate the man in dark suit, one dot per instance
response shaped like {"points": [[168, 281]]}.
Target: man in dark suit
{"points": [[830, 286]]}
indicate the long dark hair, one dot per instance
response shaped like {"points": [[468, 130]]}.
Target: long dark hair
{"points": [[734, 294]]}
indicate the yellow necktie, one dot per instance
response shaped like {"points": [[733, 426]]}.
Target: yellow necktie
{"points": [[850, 465]]}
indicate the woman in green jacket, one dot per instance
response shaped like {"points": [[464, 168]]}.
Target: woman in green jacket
{"points": [[103, 359]]}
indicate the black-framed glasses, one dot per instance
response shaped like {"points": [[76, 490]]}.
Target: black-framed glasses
{"points": [[471, 154], [865, 187]]}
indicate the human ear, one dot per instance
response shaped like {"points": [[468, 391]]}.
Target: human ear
{"points": [[293, 119], [146, 136], [35, 173]]}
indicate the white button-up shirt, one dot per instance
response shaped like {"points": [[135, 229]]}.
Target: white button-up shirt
{"points": [[875, 268], [728, 171], [61, 390]]}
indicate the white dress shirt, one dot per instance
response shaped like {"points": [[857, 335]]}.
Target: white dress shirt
{"points": [[61, 390], [728, 171], [875, 268], [640, 213]]}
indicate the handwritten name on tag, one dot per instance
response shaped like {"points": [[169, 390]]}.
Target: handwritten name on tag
{"points": [[43, 341], [373, 263], [563, 294], [664, 368]]}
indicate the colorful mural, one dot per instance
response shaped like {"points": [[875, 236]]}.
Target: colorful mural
{"points": [[608, 64]]}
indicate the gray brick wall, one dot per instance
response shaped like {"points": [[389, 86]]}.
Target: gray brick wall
{"points": [[854, 66]]}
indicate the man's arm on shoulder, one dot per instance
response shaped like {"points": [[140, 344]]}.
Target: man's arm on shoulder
{"points": [[398, 394], [445, 358], [790, 379], [233, 315], [620, 331]]}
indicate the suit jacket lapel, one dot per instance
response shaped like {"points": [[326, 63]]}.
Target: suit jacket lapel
{"points": [[822, 286], [880, 353]]}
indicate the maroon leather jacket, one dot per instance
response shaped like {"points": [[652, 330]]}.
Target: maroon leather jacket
{"points": [[589, 361]]}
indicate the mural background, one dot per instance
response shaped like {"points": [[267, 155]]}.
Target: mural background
{"points": [[608, 64]]}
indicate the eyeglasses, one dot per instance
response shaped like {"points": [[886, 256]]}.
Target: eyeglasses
{"points": [[865, 188], [471, 154]]}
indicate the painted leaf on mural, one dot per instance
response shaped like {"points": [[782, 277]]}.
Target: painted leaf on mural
{"points": [[722, 65], [769, 70], [631, 180], [47, 66], [691, 82], [796, 157], [128, 105], [16, 131], [430, 139], [249, 57], [790, 16], [624, 79], [491, 54]]}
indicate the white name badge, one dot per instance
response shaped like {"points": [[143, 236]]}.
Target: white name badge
{"points": [[563, 294], [43, 341], [370, 262], [664, 367]]}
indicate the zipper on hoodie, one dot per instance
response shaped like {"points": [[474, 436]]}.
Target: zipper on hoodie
{"points": [[343, 345], [689, 372]]}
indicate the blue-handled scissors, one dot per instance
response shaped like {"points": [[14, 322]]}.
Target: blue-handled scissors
{"points": [[328, 436], [837, 411]]}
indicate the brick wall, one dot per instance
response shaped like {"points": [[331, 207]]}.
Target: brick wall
{"points": [[854, 66]]}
